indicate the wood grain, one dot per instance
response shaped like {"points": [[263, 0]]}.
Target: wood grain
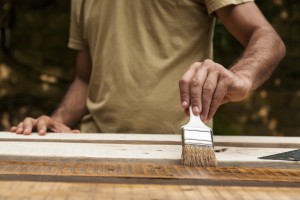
{"points": [[18, 190], [140, 166], [146, 173]]}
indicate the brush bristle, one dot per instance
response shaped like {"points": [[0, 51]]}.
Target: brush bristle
{"points": [[198, 156]]}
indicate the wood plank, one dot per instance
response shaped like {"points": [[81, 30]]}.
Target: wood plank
{"points": [[95, 138], [139, 166], [90, 150], [257, 141], [74, 191], [226, 156], [166, 139], [131, 173]]}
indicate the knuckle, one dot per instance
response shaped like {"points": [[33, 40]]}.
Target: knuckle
{"points": [[43, 117], [184, 81], [207, 62], [207, 88], [196, 82], [216, 96], [27, 119], [195, 64]]}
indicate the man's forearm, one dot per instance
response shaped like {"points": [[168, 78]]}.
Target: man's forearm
{"points": [[263, 52], [73, 106]]}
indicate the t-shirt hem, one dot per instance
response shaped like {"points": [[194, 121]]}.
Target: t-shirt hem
{"points": [[77, 45]]}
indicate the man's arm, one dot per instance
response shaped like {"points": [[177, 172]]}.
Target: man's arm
{"points": [[206, 85], [71, 109], [264, 48]]}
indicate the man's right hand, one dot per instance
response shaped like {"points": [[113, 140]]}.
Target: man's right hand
{"points": [[41, 125]]}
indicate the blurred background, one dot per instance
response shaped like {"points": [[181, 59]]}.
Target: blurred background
{"points": [[36, 68]]}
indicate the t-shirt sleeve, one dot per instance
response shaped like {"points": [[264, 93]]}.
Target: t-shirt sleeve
{"points": [[77, 40], [213, 5]]}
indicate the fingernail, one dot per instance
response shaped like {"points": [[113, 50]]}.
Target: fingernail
{"points": [[184, 104], [196, 110]]}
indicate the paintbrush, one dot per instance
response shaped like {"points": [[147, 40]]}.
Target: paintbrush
{"points": [[197, 143]]}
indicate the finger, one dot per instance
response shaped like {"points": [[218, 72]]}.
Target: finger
{"points": [[208, 90], [58, 127], [184, 85], [76, 131], [217, 99], [65, 129], [13, 129], [20, 128], [196, 89], [28, 124], [42, 125]]}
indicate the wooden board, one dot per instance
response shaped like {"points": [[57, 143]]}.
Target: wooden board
{"points": [[18, 190], [226, 156], [139, 166], [165, 139], [138, 147], [145, 173]]}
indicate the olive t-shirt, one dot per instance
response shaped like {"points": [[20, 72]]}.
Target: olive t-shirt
{"points": [[139, 50]]}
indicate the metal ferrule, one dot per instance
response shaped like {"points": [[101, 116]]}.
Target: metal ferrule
{"points": [[197, 136]]}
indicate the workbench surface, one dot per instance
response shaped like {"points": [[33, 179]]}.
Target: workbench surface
{"points": [[144, 166]]}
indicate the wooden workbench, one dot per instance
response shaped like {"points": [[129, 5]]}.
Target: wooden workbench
{"points": [[140, 166]]}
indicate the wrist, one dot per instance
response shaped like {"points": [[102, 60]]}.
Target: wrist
{"points": [[247, 78], [59, 116]]}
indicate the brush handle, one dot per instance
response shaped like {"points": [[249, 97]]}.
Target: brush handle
{"points": [[195, 120]]}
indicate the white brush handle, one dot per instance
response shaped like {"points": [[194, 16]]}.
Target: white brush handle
{"points": [[195, 120]]}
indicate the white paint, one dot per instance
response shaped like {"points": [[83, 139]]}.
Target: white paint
{"points": [[23, 146], [90, 150]]}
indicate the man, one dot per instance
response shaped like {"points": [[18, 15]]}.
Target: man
{"points": [[131, 54]]}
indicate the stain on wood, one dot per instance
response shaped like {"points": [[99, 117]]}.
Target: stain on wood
{"points": [[77, 191], [146, 173]]}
